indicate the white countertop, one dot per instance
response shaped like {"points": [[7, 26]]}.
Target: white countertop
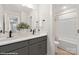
{"points": [[20, 37]]}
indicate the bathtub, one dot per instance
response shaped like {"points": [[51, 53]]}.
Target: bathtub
{"points": [[68, 45]]}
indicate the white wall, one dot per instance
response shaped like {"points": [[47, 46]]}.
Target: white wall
{"points": [[40, 13], [51, 31], [35, 15], [46, 13], [66, 26], [44, 10]]}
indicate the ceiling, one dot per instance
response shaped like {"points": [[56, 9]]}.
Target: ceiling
{"points": [[60, 7], [16, 7]]}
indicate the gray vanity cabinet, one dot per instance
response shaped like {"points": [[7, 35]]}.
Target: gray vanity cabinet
{"points": [[35, 46]]}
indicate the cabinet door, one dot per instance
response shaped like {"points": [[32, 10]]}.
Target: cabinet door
{"points": [[38, 48], [21, 51], [43, 47], [13, 46], [34, 49]]}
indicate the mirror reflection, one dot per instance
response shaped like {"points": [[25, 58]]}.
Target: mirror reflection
{"points": [[13, 14]]}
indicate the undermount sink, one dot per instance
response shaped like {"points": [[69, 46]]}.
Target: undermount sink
{"points": [[15, 35]]}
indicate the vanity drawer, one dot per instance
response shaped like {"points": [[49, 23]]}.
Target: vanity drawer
{"points": [[36, 40], [13, 46]]}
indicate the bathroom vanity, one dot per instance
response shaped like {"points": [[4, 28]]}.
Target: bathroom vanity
{"points": [[31, 45]]}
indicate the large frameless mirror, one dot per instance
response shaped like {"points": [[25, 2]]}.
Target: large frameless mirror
{"points": [[13, 14]]}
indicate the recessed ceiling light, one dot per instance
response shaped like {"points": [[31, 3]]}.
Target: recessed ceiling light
{"points": [[28, 5], [64, 7]]}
